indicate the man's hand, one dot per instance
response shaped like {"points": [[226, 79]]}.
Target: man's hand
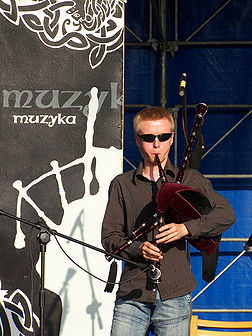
{"points": [[167, 234], [150, 251], [171, 232]]}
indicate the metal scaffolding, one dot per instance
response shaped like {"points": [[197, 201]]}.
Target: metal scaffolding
{"points": [[160, 45], [158, 16]]}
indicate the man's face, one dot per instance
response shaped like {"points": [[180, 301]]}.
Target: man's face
{"points": [[150, 149]]}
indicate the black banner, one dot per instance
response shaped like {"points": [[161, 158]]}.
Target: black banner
{"points": [[61, 144]]}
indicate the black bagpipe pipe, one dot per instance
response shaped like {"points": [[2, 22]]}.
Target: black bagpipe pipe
{"points": [[181, 203], [146, 227]]}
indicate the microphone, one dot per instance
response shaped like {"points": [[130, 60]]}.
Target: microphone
{"points": [[182, 86], [248, 245]]}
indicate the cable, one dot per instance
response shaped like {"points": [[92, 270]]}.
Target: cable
{"points": [[94, 276]]}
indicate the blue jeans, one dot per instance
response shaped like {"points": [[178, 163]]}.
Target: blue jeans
{"points": [[170, 317]]}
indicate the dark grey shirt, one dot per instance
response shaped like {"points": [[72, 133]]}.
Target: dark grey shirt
{"points": [[132, 201]]}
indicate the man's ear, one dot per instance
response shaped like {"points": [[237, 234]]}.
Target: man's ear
{"points": [[172, 138], [137, 140]]}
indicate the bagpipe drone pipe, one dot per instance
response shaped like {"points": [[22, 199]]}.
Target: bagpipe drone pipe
{"points": [[183, 203]]}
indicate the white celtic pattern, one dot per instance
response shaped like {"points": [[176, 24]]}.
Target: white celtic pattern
{"points": [[16, 316], [97, 26]]}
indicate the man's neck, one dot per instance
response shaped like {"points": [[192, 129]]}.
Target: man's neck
{"points": [[151, 172]]}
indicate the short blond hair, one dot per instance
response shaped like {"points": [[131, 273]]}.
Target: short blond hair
{"points": [[152, 113]]}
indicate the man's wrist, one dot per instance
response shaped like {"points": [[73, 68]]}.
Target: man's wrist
{"points": [[187, 232]]}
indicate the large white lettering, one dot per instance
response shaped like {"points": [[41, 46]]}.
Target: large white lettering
{"points": [[56, 99]]}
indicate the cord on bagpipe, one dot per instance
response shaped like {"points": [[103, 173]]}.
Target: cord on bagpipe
{"points": [[196, 155]]}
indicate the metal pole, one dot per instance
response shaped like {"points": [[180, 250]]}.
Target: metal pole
{"points": [[224, 270], [163, 88], [247, 248], [224, 136], [176, 21], [208, 20]]}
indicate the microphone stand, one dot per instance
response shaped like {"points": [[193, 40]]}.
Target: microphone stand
{"points": [[44, 235], [182, 93], [247, 247]]}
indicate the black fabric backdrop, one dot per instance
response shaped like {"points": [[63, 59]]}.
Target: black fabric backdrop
{"points": [[27, 148]]}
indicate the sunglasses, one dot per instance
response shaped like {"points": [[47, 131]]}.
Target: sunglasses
{"points": [[151, 137]]}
